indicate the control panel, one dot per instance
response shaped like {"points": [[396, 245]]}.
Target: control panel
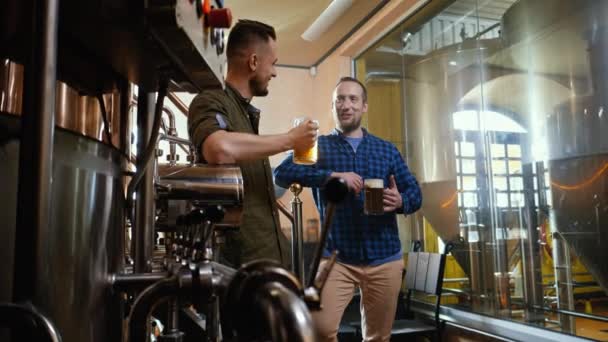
{"points": [[195, 38]]}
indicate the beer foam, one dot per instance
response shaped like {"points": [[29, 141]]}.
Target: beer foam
{"points": [[374, 183]]}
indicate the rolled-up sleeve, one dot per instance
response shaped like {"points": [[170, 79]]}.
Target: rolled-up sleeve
{"points": [[207, 115]]}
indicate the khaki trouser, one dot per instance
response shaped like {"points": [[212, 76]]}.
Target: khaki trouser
{"points": [[379, 286]]}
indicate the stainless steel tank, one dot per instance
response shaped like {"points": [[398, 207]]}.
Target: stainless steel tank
{"points": [[85, 243], [434, 87], [576, 129]]}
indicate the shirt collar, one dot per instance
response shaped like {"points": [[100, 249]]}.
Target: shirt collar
{"points": [[251, 109], [253, 113], [337, 133]]}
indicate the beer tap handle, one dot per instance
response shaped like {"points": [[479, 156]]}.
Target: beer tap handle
{"points": [[335, 191], [323, 273]]}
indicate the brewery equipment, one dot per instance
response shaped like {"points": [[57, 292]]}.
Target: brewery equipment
{"points": [[74, 184]]}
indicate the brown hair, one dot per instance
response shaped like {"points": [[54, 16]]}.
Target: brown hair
{"points": [[245, 33], [354, 80]]}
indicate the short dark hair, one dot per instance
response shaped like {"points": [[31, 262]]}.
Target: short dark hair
{"points": [[354, 80], [245, 33]]}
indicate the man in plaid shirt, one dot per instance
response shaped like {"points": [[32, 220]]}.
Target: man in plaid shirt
{"points": [[369, 250]]}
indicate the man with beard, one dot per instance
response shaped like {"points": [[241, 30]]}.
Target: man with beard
{"points": [[369, 250], [223, 125]]}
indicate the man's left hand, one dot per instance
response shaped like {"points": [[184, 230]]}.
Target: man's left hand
{"points": [[392, 198]]}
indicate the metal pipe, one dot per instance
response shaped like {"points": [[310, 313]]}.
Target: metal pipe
{"points": [[146, 152], [143, 220], [283, 209], [126, 92], [297, 256], [135, 281], [530, 246], [172, 132], [36, 149], [171, 331], [572, 313], [178, 103], [175, 139], [181, 142], [287, 316], [145, 302], [18, 315]]}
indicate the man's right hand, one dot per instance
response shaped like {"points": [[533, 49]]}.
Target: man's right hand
{"points": [[353, 180], [304, 135]]}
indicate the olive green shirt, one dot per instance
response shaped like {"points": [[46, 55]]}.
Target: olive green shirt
{"points": [[259, 236]]}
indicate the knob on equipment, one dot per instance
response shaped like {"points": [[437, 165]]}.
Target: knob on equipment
{"points": [[220, 18]]}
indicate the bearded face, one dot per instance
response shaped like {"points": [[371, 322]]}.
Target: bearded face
{"points": [[348, 107], [264, 68], [259, 85]]}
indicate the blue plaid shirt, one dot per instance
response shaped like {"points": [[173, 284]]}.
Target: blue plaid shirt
{"points": [[359, 239]]}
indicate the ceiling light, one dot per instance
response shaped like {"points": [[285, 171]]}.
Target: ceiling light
{"points": [[329, 16]]}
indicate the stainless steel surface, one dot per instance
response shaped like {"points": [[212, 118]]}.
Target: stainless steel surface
{"points": [[143, 234], [203, 184], [287, 316], [496, 328], [297, 243], [16, 316], [84, 242], [576, 140], [435, 86], [36, 152]]}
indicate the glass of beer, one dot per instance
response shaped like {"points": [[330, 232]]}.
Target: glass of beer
{"points": [[304, 156], [374, 194]]}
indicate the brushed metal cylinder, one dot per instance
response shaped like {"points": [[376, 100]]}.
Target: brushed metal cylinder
{"points": [[205, 184], [84, 243]]}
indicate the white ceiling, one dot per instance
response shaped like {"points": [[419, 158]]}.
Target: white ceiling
{"points": [[291, 18]]}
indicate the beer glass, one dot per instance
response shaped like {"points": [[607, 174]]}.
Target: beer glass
{"points": [[304, 156], [374, 194]]}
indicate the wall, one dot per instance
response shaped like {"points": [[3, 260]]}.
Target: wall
{"points": [[297, 92]]}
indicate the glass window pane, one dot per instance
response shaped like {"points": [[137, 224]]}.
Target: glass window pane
{"points": [[458, 183], [549, 198], [517, 199], [457, 166], [516, 183], [467, 149], [514, 151], [499, 167], [500, 183], [497, 150], [456, 152], [468, 166], [515, 167], [470, 199], [502, 200], [469, 183]]}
